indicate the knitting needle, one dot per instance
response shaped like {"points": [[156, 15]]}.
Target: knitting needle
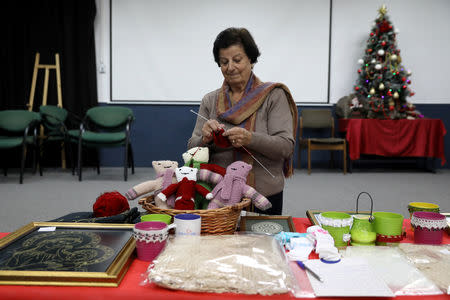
{"points": [[241, 146]]}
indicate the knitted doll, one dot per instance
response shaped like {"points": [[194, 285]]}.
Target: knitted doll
{"points": [[198, 157], [165, 172], [232, 187], [184, 189]]}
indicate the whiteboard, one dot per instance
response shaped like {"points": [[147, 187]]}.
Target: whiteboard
{"points": [[161, 51]]}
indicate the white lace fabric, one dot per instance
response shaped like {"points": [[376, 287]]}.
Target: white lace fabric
{"points": [[150, 237], [335, 222], [428, 223]]}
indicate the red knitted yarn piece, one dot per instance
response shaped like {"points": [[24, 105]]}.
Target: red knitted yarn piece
{"points": [[220, 140], [110, 204]]}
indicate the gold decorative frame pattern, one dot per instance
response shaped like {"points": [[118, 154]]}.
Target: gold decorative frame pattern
{"points": [[110, 277], [285, 221]]}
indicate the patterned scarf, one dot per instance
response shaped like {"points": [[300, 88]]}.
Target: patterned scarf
{"points": [[243, 113]]}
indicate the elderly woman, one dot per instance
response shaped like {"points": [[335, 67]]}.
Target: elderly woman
{"points": [[259, 119]]}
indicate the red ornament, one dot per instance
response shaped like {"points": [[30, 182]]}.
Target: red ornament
{"points": [[383, 43], [391, 107], [389, 93], [356, 88], [384, 26], [359, 71], [110, 204], [369, 50], [412, 94], [403, 79], [408, 82], [371, 34], [404, 86]]}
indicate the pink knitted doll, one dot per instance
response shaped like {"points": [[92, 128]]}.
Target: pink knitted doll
{"points": [[232, 187], [165, 172]]}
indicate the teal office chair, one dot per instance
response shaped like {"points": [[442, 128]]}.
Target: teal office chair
{"points": [[18, 129], [53, 118], [102, 127]]}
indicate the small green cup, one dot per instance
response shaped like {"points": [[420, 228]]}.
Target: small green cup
{"points": [[157, 218], [339, 233], [388, 223]]}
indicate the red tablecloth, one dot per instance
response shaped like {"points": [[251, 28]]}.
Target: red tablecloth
{"points": [[395, 138], [130, 289]]}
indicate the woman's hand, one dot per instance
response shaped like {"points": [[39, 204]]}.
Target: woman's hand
{"points": [[208, 128], [238, 136]]}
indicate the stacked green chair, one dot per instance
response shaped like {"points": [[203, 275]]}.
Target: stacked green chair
{"points": [[18, 129], [103, 127], [53, 118]]}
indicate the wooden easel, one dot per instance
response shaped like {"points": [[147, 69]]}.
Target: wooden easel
{"points": [[47, 69]]}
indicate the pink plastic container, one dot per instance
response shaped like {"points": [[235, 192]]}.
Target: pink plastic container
{"points": [[150, 238], [428, 227]]}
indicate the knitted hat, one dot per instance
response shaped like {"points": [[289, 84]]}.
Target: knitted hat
{"points": [[110, 204]]}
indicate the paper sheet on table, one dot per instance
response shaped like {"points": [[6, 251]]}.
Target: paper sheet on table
{"points": [[349, 277]]}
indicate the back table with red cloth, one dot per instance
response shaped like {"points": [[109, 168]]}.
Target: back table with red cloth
{"points": [[395, 138], [131, 289]]}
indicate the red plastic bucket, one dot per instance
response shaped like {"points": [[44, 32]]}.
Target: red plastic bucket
{"points": [[428, 227], [150, 238]]}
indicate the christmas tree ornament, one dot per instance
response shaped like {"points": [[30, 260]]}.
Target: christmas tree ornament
{"points": [[383, 43], [403, 79], [409, 72], [360, 61], [378, 66], [381, 87], [373, 61], [359, 71], [408, 81], [396, 95], [380, 52], [393, 57], [372, 91]]}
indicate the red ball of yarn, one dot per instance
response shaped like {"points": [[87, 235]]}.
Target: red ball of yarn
{"points": [[110, 204]]}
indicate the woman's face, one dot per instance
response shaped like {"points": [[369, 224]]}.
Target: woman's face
{"points": [[235, 65]]}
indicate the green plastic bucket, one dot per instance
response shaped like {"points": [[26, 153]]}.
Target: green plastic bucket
{"points": [[157, 218], [340, 234], [422, 206], [388, 223]]}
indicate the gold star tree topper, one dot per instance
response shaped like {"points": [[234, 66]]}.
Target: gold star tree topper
{"points": [[382, 10]]}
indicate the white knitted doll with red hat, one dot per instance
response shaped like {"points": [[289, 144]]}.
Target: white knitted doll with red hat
{"points": [[232, 187], [185, 189]]}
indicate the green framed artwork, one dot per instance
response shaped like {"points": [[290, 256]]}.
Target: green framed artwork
{"points": [[312, 215], [267, 224], [68, 254]]}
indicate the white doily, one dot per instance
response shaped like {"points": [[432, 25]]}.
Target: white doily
{"points": [[153, 236], [335, 222], [427, 223]]}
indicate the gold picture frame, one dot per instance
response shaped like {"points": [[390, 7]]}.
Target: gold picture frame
{"points": [[312, 215], [67, 254], [267, 224]]}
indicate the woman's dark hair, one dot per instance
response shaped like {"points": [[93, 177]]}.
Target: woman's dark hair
{"points": [[236, 36]]}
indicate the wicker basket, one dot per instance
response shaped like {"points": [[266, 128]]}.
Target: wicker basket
{"points": [[214, 221]]}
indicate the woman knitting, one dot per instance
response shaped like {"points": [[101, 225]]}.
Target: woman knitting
{"points": [[248, 114]]}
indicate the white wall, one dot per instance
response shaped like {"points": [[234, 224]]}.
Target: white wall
{"points": [[423, 39]]}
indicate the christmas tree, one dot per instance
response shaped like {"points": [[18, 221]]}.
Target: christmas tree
{"points": [[383, 83]]}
